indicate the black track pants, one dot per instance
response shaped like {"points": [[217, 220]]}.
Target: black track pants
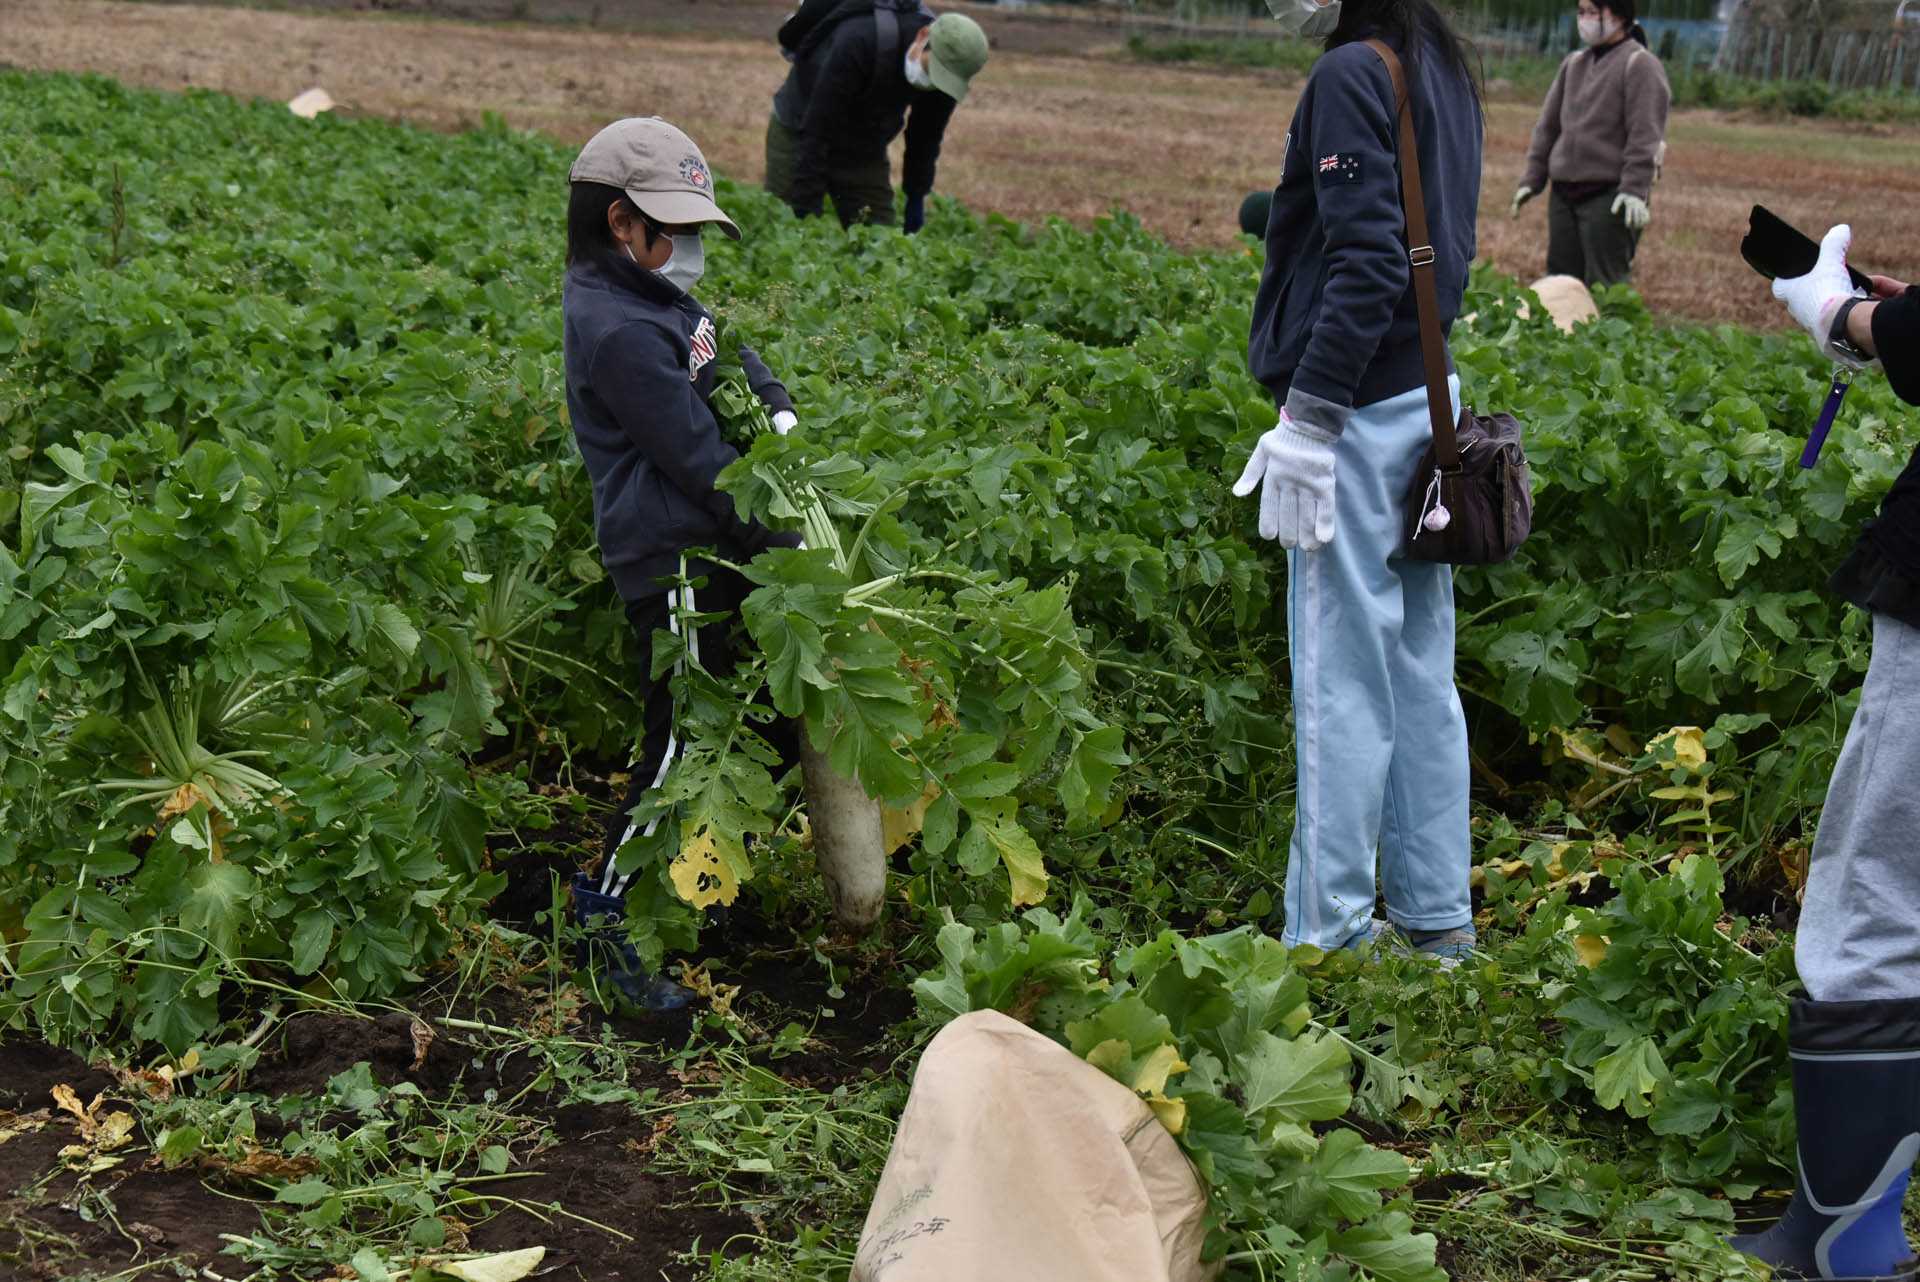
{"points": [[714, 648]]}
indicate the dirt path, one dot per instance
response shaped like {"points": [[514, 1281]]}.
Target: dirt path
{"points": [[1042, 134]]}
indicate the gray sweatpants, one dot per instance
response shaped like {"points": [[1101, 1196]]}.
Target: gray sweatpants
{"points": [[1859, 937]]}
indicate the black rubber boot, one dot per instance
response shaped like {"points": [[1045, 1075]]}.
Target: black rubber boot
{"points": [[1856, 1095], [604, 949]]}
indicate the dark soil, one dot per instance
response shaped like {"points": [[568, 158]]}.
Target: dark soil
{"points": [[597, 1164], [55, 1223]]}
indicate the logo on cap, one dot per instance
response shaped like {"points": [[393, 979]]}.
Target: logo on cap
{"points": [[695, 174]]}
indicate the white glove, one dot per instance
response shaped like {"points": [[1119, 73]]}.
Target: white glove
{"points": [[785, 421], [1633, 211], [1520, 197], [1293, 466], [1814, 299]]}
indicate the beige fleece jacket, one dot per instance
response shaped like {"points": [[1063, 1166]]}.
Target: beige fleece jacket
{"points": [[1604, 121]]}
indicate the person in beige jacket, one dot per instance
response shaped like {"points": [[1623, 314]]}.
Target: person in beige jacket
{"points": [[1599, 141]]}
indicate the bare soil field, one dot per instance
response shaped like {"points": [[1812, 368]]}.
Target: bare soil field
{"points": [[1060, 124]]}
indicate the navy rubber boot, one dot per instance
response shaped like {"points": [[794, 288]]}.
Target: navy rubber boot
{"points": [[605, 951], [1856, 1095]]}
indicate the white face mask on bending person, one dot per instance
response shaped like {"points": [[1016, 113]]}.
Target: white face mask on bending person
{"points": [[684, 266], [917, 74], [1309, 18]]}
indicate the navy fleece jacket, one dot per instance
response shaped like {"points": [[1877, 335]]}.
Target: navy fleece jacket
{"points": [[1334, 322], [1883, 573], [639, 357]]}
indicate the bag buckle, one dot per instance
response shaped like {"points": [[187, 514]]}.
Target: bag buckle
{"points": [[1421, 255]]}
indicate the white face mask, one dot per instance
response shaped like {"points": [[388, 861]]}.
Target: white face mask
{"points": [[1597, 30], [1308, 18], [917, 74], [684, 266]]}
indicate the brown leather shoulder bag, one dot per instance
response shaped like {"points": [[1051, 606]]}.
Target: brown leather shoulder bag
{"points": [[1471, 502]]}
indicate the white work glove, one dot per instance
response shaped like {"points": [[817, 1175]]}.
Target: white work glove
{"points": [[1520, 197], [785, 421], [1814, 299], [1293, 466], [1633, 211]]}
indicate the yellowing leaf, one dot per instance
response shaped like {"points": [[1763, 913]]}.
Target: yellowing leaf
{"points": [[1112, 1057], [1147, 1076], [13, 1125], [700, 875], [1556, 866], [1689, 745], [898, 827], [507, 1266], [68, 1102], [1590, 949], [184, 798], [115, 1130], [1171, 1112], [1151, 1074], [1026, 869], [700, 980]]}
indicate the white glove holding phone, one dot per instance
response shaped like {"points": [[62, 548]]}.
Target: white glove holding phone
{"points": [[1816, 298]]}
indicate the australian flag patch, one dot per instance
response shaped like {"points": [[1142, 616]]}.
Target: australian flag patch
{"points": [[1340, 165]]}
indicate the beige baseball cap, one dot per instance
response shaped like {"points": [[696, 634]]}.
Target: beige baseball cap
{"points": [[658, 167]]}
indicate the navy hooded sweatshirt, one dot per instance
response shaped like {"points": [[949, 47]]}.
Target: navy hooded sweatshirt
{"points": [[1334, 322], [640, 376]]}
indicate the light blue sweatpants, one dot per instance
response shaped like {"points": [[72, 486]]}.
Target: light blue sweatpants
{"points": [[1381, 737]]}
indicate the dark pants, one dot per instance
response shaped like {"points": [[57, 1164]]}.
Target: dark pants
{"points": [[862, 191], [1586, 239], [714, 648]]}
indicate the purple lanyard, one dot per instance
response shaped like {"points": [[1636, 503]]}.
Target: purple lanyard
{"points": [[1842, 379]]}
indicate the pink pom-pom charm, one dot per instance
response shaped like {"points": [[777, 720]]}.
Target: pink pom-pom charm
{"points": [[1437, 520]]}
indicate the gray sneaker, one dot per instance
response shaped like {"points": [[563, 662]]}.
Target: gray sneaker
{"points": [[1450, 947]]}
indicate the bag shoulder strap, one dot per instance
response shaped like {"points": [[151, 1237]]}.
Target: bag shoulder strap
{"points": [[886, 35], [1413, 203]]}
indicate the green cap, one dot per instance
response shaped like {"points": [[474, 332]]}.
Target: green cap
{"points": [[956, 50]]}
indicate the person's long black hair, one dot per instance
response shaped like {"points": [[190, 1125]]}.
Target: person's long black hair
{"points": [[1412, 25], [1627, 12]]}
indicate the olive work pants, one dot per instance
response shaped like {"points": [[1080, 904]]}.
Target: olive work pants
{"points": [[862, 193], [1587, 239]]}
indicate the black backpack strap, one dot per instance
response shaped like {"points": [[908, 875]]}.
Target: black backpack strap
{"points": [[886, 41]]}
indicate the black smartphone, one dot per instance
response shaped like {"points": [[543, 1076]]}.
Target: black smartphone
{"points": [[1774, 247]]}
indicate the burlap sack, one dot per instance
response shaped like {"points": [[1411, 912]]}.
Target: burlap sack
{"points": [[1017, 1161]]}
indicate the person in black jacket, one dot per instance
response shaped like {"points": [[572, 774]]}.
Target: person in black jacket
{"points": [[1854, 1040], [862, 72], [639, 353], [1381, 736]]}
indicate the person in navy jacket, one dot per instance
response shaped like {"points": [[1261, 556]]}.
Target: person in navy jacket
{"points": [[640, 361], [1381, 737]]}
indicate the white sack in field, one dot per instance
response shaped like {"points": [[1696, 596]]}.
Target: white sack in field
{"points": [[1566, 299], [311, 103], [1017, 1161]]}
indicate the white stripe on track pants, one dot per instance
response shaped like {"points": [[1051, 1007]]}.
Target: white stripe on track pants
{"points": [[1379, 731]]}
